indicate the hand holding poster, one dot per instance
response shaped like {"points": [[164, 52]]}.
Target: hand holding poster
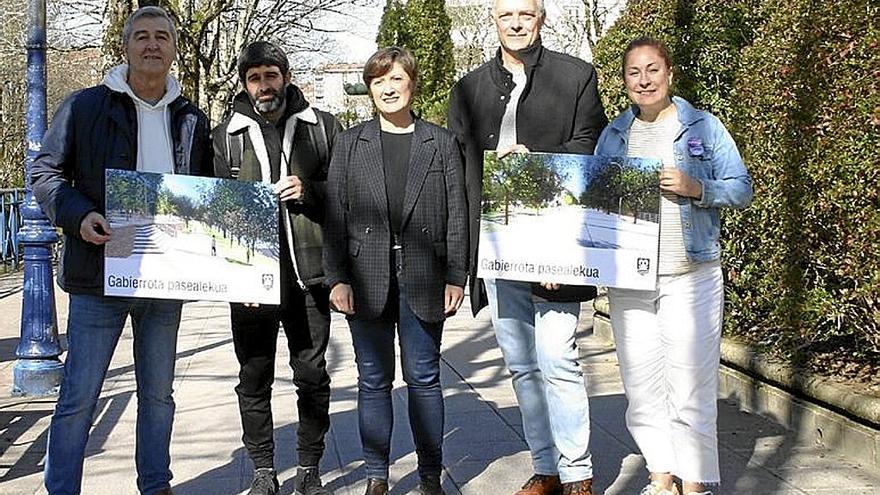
{"points": [[570, 219], [191, 238]]}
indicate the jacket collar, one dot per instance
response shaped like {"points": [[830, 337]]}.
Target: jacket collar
{"points": [[531, 56], [241, 120], [242, 105], [687, 115], [372, 131]]}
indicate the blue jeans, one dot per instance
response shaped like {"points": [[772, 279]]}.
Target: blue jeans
{"points": [[420, 358], [94, 326], [537, 340]]}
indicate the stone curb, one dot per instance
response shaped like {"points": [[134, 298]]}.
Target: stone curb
{"points": [[860, 406]]}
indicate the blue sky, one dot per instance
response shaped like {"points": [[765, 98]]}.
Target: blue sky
{"points": [[185, 185]]}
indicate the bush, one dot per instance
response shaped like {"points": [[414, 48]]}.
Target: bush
{"points": [[427, 35], [704, 37], [804, 259]]}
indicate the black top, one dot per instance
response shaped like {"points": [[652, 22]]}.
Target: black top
{"points": [[395, 158]]}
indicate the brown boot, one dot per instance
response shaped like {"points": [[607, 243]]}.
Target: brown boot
{"points": [[376, 486], [541, 484], [584, 487]]}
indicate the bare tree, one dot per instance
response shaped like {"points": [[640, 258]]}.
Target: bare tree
{"points": [[69, 67], [472, 34], [73, 25], [579, 25]]}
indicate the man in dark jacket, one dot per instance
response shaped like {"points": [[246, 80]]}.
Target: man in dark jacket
{"points": [[136, 120], [273, 135], [532, 98]]}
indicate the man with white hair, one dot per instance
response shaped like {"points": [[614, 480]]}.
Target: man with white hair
{"points": [[136, 119], [532, 98]]}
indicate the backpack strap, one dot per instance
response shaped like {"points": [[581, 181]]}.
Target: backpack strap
{"points": [[234, 153], [319, 137]]}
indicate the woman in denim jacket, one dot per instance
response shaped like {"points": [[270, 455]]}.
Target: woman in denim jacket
{"points": [[669, 339]]}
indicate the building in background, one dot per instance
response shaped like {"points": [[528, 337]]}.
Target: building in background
{"points": [[338, 88]]}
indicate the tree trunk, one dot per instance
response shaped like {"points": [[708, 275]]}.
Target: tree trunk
{"points": [[116, 13]]}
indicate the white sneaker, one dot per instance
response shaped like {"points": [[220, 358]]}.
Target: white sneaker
{"points": [[654, 488]]}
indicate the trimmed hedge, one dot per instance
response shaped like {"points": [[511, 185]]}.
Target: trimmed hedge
{"points": [[805, 258], [798, 84]]}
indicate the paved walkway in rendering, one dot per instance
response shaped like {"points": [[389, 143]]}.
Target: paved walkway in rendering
{"points": [[484, 454]]}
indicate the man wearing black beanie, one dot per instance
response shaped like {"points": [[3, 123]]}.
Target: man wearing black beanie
{"points": [[274, 135]]}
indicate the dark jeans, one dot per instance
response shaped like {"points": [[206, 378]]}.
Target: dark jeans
{"points": [[305, 317], [420, 357]]}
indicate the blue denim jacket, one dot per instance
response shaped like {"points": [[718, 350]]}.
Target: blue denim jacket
{"points": [[706, 152]]}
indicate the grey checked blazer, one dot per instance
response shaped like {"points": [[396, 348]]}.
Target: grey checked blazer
{"points": [[434, 233]]}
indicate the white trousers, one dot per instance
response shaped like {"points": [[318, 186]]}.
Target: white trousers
{"points": [[669, 347]]}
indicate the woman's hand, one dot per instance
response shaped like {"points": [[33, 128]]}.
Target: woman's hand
{"points": [[678, 182], [342, 299], [550, 285], [454, 295]]}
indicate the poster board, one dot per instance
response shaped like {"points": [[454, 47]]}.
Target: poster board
{"points": [[570, 219], [191, 238]]}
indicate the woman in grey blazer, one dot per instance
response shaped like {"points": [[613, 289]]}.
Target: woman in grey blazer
{"points": [[395, 255]]}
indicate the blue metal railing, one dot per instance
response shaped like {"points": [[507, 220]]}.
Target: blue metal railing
{"points": [[10, 221]]}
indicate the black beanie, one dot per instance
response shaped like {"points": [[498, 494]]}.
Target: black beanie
{"points": [[261, 53]]}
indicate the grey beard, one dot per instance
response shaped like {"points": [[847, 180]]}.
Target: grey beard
{"points": [[269, 106]]}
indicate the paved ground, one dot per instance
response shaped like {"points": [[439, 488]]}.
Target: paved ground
{"points": [[484, 451]]}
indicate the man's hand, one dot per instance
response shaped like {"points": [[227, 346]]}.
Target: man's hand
{"points": [[550, 286], [289, 187], [94, 228], [678, 182], [342, 299], [454, 295], [516, 148]]}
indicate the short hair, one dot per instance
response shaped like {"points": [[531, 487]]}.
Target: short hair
{"points": [[146, 12], [538, 3], [261, 53], [646, 41], [381, 62]]}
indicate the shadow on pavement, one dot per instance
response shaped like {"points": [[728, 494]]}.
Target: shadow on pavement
{"points": [[16, 423]]}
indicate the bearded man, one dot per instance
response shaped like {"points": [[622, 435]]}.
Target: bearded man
{"points": [[274, 135]]}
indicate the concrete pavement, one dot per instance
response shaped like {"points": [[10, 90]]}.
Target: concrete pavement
{"points": [[484, 449]]}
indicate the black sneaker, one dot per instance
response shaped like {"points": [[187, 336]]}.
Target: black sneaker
{"points": [[265, 482], [308, 482], [430, 485]]}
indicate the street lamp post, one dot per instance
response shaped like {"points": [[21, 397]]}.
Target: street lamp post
{"points": [[38, 370]]}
